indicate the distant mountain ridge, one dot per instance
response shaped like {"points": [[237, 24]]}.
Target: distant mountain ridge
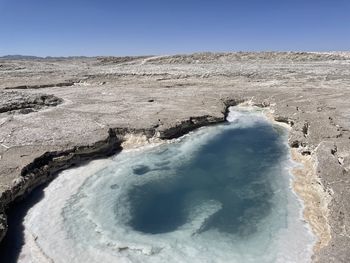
{"points": [[25, 57], [14, 57], [201, 56]]}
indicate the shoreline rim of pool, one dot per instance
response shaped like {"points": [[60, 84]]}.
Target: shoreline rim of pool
{"points": [[176, 141]]}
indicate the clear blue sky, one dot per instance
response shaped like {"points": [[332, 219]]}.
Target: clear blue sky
{"points": [[130, 27]]}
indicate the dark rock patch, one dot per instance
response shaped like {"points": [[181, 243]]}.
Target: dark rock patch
{"points": [[25, 103], [141, 169]]}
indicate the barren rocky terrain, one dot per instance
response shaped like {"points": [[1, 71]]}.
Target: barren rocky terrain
{"points": [[55, 113]]}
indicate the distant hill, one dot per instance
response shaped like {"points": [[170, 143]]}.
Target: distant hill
{"points": [[19, 57], [24, 57]]}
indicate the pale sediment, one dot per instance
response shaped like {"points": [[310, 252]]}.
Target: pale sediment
{"points": [[316, 200], [309, 189]]}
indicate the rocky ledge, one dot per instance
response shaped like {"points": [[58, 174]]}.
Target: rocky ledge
{"points": [[44, 168], [11, 102]]}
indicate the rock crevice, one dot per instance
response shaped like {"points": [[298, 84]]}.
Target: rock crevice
{"points": [[26, 103]]}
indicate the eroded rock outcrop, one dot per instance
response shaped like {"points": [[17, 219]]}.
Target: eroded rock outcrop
{"points": [[26, 103]]}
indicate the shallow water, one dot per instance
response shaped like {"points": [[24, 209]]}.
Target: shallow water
{"points": [[219, 194]]}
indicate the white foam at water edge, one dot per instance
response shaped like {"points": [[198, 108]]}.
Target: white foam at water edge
{"points": [[245, 116], [76, 222]]}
